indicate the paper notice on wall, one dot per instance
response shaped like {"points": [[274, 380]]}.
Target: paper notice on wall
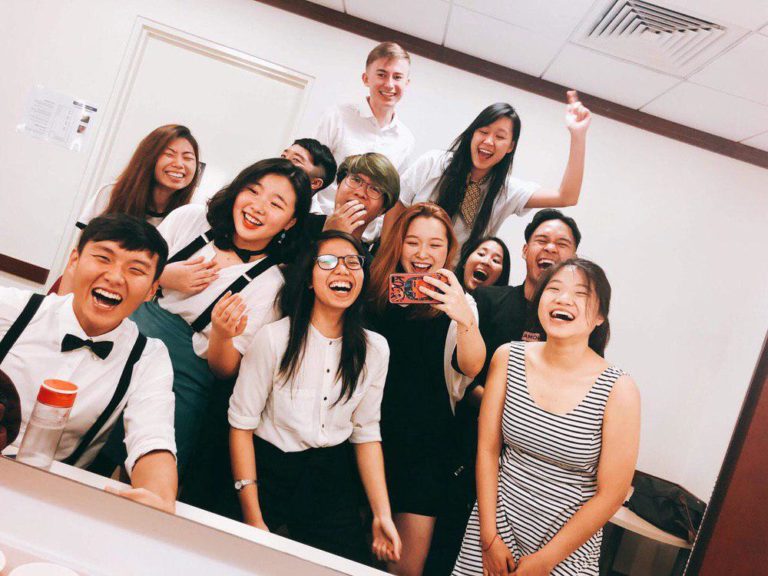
{"points": [[59, 118]]}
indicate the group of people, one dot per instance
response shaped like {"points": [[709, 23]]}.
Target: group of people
{"points": [[486, 430]]}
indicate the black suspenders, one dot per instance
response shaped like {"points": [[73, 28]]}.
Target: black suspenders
{"points": [[122, 387], [238, 285]]}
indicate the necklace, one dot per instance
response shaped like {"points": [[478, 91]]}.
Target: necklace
{"points": [[245, 254]]}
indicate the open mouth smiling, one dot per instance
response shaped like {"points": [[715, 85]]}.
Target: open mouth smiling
{"points": [[545, 263], [105, 298], [561, 315], [341, 286], [251, 220], [421, 266], [480, 275]]}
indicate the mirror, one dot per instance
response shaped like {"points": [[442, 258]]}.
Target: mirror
{"points": [[677, 228]]}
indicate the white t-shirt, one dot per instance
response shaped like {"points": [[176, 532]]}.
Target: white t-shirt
{"points": [[37, 356], [303, 413], [180, 228], [419, 184], [349, 129], [97, 204]]}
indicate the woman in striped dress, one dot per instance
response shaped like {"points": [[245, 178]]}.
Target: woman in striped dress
{"points": [[567, 426]]}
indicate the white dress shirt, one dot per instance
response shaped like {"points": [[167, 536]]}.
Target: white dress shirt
{"points": [[455, 381], [97, 204], [419, 184], [349, 129], [179, 228], [37, 356], [303, 413]]}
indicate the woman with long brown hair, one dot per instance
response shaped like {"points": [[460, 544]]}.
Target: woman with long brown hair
{"points": [[435, 351], [161, 176]]}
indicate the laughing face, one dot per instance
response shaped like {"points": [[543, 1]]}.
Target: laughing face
{"points": [[490, 144], [386, 79], [340, 287], [263, 210], [425, 247], [176, 166], [569, 307], [110, 283], [550, 243], [483, 267]]}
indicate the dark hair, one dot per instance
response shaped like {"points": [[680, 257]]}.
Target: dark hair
{"points": [[297, 299], [598, 284], [552, 214], [220, 206], [470, 247], [450, 188], [130, 233], [132, 193], [321, 157]]}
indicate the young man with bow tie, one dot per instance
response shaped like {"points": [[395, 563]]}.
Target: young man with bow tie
{"points": [[86, 338]]}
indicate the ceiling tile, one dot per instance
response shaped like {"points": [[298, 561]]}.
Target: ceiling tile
{"points": [[740, 71], [425, 18], [554, 18], [335, 4], [499, 42], [759, 141], [751, 14], [608, 78], [711, 111]]}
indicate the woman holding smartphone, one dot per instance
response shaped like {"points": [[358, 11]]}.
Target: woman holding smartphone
{"points": [[435, 351], [473, 181], [567, 426], [309, 389]]}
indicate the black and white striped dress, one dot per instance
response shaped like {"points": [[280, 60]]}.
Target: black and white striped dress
{"points": [[547, 471]]}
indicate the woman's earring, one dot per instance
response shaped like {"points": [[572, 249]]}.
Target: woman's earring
{"points": [[282, 237]]}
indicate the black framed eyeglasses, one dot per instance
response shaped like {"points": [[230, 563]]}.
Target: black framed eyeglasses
{"points": [[330, 261], [373, 190]]}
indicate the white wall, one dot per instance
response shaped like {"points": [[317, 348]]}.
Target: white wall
{"points": [[678, 229]]}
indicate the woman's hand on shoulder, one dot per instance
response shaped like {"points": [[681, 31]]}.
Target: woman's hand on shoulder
{"points": [[229, 318], [577, 116], [451, 296], [498, 559], [191, 276]]}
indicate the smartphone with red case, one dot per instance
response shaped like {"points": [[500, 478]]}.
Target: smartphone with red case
{"points": [[405, 288]]}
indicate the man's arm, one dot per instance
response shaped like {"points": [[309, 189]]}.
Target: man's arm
{"points": [[154, 481]]}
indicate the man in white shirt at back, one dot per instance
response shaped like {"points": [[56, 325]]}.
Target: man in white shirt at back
{"points": [[370, 125], [86, 338]]}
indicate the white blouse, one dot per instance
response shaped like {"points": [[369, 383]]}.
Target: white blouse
{"points": [[180, 228], [419, 184], [304, 413], [37, 355], [97, 204]]}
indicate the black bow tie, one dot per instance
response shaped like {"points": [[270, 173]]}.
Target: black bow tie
{"points": [[72, 342]]}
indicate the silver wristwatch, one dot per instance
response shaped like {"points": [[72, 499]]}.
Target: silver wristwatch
{"points": [[240, 484]]}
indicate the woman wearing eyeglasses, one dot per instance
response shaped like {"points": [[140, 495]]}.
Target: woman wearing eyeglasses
{"points": [[368, 186], [308, 396]]}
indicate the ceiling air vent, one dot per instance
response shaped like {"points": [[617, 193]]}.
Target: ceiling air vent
{"points": [[656, 36]]}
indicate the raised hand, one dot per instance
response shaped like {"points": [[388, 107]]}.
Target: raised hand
{"points": [[346, 218], [228, 318], [577, 116], [191, 276]]}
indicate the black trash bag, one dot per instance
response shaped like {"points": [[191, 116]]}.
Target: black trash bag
{"points": [[666, 505]]}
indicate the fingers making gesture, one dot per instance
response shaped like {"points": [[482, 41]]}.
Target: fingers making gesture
{"points": [[577, 116]]}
